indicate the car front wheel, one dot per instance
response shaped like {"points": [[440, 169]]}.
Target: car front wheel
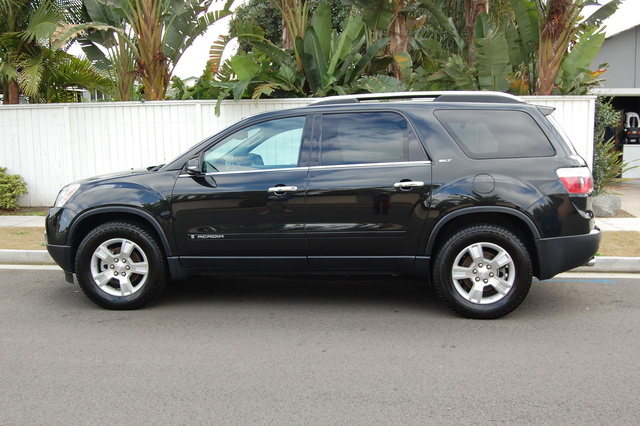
{"points": [[119, 265], [483, 271]]}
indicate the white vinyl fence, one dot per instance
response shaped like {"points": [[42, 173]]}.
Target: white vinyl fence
{"points": [[52, 145]]}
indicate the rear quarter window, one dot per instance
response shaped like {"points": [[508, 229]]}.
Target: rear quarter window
{"points": [[484, 134]]}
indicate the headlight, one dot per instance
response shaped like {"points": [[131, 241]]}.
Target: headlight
{"points": [[66, 193]]}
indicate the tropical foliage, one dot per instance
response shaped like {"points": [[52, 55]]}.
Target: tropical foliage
{"points": [[267, 15], [144, 39], [31, 61], [323, 62], [545, 50], [521, 49]]}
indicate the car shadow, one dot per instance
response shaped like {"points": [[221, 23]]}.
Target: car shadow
{"points": [[354, 291]]}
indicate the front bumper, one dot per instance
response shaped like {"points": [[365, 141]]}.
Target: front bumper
{"points": [[560, 254], [62, 256]]}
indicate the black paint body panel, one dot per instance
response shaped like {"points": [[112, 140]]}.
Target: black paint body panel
{"points": [[340, 219]]}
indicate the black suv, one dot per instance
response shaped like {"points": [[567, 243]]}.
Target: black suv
{"points": [[475, 192]]}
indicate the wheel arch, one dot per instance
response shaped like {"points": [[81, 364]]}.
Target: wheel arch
{"points": [[509, 218], [95, 217]]}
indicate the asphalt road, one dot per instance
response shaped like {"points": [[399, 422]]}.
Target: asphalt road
{"points": [[317, 351]]}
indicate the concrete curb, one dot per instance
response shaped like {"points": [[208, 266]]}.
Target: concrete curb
{"points": [[25, 257], [612, 264], [603, 263]]}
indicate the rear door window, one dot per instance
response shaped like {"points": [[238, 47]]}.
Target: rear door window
{"points": [[371, 137]]}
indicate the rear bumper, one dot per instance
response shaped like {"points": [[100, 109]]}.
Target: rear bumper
{"points": [[556, 255]]}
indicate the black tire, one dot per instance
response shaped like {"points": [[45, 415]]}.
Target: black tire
{"points": [[493, 272], [115, 280]]}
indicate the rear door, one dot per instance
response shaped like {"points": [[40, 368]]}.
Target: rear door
{"points": [[368, 192]]}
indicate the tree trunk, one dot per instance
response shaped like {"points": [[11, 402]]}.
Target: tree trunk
{"points": [[555, 36], [155, 77], [152, 65], [473, 8], [287, 41], [294, 21], [399, 42], [13, 95]]}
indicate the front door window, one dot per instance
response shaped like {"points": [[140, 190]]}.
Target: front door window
{"points": [[270, 145]]}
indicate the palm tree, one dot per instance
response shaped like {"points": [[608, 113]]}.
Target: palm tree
{"points": [[60, 71], [16, 14], [28, 62]]}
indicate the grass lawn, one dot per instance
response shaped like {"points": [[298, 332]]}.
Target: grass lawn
{"points": [[25, 211]]}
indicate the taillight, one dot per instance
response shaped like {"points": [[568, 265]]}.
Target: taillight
{"points": [[577, 180]]}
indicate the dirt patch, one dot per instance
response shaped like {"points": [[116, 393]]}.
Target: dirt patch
{"points": [[22, 238], [620, 243], [622, 213]]}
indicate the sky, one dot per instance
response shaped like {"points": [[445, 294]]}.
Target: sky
{"points": [[195, 58], [627, 16]]}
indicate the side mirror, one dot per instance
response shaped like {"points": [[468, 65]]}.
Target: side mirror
{"points": [[194, 166]]}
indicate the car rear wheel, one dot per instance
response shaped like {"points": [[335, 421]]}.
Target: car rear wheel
{"points": [[119, 265], [483, 271]]}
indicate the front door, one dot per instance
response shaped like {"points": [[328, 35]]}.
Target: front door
{"points": [[247, 209], [368, 192]]}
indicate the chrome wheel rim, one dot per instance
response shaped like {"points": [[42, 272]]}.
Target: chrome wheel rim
{"points": [[483, 273], [119, 267]]}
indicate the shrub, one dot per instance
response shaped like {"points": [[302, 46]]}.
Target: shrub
{"points": [[607, 160], [11, 187], [607, 167]]}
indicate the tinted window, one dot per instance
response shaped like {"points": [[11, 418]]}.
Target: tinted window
{"points": [[495, 133], [378, 137], [268, 145]]}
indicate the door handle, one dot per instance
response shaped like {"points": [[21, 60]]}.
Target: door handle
{"points": [[279, 189], [409, 184]]}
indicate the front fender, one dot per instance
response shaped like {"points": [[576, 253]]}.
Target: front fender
{"points": [[161, 225]]}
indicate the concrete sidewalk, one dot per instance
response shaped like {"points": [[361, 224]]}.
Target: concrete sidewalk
{"points": [[20, 221]]}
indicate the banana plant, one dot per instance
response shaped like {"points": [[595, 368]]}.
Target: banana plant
{"points": [[395, 20], [323, 62], [530, 55], [574, 75], [563, 32], [491, 58], [155, 32]]}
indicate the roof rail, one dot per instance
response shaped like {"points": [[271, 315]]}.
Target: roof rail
{"points": [[452, 96]]}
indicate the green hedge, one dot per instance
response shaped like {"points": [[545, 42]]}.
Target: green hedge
{"points": [[11, 187]]}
